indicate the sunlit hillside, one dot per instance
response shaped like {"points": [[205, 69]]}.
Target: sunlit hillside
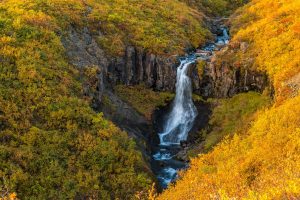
{"points": [[52, 144], [90, 129], [216, 7], [262, 162], [273, 31]]}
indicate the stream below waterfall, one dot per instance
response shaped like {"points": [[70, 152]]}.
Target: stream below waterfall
{"points": [[179, 119]]}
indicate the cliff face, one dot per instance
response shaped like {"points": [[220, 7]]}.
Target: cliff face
{"points": [[223, 78], [220, 79], [84, 52], [135, 67]]}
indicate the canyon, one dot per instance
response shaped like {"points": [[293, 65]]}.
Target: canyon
{"points": [[218, 79], [149, 99]]}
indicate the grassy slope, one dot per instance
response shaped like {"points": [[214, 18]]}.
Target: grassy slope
{"points": [[229, 116], [161, 27], [233, 115], [261, 161], [53, 145], [216, 7], [142, 99]]}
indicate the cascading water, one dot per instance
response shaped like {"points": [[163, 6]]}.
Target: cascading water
{"points": [[184, 112], [179, 121]]}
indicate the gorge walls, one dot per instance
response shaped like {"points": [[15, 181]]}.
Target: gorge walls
{"points": [[220, 77]]}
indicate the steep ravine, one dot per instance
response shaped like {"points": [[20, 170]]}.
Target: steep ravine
{"points": [[219, 79], [157, 71], [174, 126]]}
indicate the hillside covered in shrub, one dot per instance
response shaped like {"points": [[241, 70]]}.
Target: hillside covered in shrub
{"points": [[216, 7], [54, 145], [262, 160]]}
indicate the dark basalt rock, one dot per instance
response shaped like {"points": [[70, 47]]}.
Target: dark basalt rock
{"points": [[138, 67], [219, 80], [159, 72], [135, 67], [223, 78]]}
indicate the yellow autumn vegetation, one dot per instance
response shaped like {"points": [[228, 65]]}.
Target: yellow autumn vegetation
{"points": [[161, 27], [144, 100], [232, 115], [53, 145], [9, 196], [216, 7], [262, 164], [272, 28], [263, 160]]}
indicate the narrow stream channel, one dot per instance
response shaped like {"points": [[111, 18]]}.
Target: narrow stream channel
{"points": [[180, 118]]}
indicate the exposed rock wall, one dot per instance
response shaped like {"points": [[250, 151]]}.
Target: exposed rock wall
{"points": [[84, 52], [225, 75], [135, 67], [224, 80], [220, 79]]}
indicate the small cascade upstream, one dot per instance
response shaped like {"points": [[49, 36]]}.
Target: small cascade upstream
{"points": [[180, 119]]}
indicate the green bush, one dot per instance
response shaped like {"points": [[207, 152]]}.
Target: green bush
{"points": [[143, 99], [52, 144], [231, 115]]}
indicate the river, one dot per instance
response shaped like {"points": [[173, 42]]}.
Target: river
{"points": [[180, 118]]}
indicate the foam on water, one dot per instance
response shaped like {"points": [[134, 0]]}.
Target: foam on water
{"points": [[182, 115], [162, 156], [167, 176], [180, 119]]}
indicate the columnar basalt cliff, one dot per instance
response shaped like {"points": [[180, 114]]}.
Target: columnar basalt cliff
{"points": [[135, 67], [220, 78], [225, 78]]}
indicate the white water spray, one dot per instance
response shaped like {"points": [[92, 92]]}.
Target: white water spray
{"points": [[180, 119], [182, 116]]}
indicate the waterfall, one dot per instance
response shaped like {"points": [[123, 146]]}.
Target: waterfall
{"points": [[225, 36], [180, 120], [224, 39]]}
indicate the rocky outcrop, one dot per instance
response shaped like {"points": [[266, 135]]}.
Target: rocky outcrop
{"points": [[224, 77], [221, 76], [226, 81], [220, 79], [127, 118], [135, 67]]}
